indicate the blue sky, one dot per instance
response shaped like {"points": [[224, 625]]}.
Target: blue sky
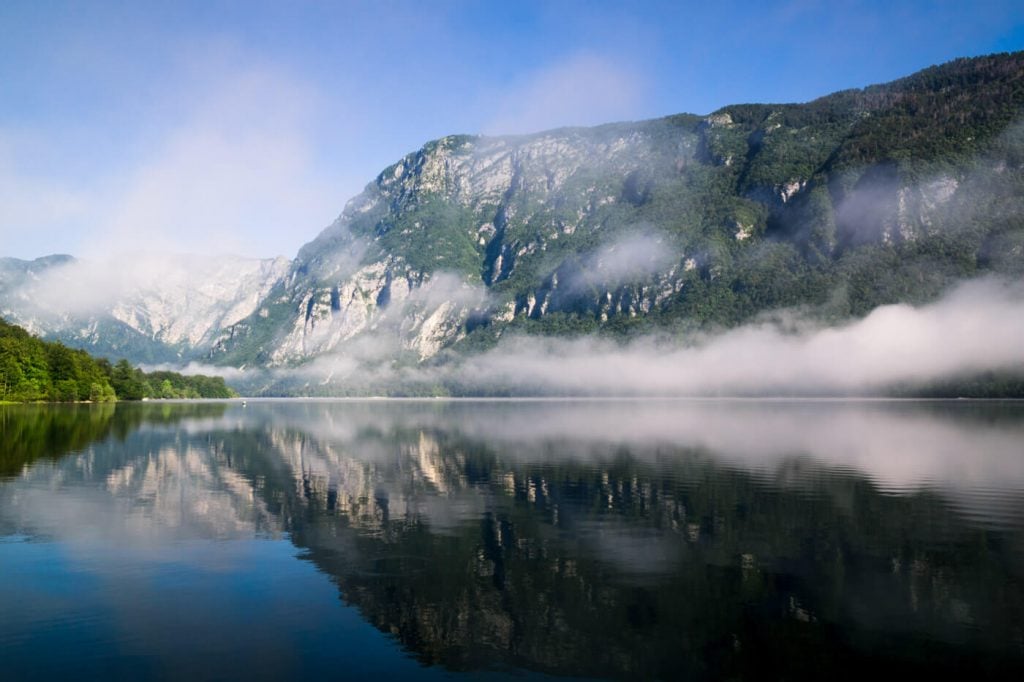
{"points": [[245, 126]]}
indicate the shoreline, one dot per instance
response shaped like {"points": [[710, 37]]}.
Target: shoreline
{"points": [[535, 399]]}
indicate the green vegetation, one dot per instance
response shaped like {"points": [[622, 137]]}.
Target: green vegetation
{"points": [[131, 383], [48, 432], [863, 198], [32, 370], [434, 235]]}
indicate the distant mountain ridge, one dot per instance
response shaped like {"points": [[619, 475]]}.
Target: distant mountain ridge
{"points": [[146, 308], [861, 198]]}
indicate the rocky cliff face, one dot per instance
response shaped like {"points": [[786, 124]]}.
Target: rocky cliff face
{"points": [[428, 250], [883, 195], [858, 199]]}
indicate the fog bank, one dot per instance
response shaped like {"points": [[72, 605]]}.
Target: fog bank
{"points": [[977, 327]]}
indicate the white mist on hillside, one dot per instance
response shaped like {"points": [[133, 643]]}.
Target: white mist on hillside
{"points": [[978, 326], [630, 258], [401, 330], [197, 368], [175, 297]]}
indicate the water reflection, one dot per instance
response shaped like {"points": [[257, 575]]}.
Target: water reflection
{"points": [[604, 539], [32, 432]]}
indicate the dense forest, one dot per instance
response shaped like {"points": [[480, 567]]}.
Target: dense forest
{"points": [[35, 370]]}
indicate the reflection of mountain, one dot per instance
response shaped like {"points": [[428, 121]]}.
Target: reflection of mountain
{"points": [[602, 559], [643, 554]]}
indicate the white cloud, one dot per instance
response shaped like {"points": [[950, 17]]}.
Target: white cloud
{"points": [[237, 172], [227, 161], [584, 89], [194, 368], [630, 257]]}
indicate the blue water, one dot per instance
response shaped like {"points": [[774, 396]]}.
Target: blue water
{"points": [[394, 540], [200, 609]]}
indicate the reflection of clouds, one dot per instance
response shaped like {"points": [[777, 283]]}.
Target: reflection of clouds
{"points": [[958, 447], [379, 462], [631, 549], [894, 447], [464, 524], [896, 444], [177, 492]]}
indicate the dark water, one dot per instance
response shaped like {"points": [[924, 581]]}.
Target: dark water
{"points": [[352, 540]]}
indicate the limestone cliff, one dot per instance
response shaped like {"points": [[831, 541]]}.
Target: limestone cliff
{"points": [[855, 200]]}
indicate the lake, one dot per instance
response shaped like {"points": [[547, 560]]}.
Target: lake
{"points": [[491, 539]]}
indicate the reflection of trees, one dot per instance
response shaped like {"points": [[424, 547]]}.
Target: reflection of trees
{"points": [[604, 563], [32, 432]]}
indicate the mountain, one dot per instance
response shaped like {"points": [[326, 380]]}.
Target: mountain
{"points": [[148, 308], [858, 199], [861, 198]]}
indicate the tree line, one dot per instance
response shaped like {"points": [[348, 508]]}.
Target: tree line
{"points": [[34, 370]]}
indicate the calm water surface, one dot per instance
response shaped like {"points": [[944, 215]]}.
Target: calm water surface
{"points": [[434, 539]]}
